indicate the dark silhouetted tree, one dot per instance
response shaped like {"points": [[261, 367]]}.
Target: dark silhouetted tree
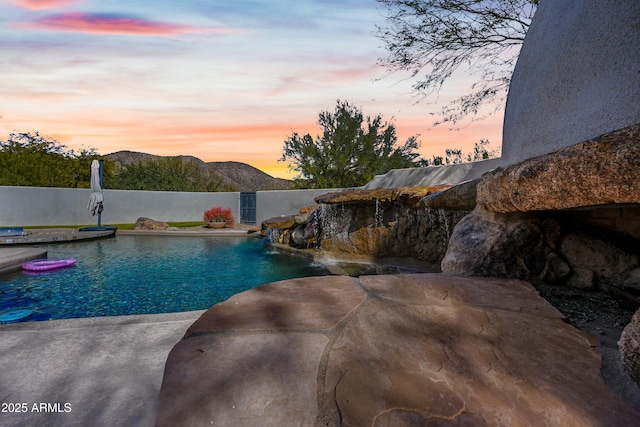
{"points": [[30, 159], [167, 174], [350, 152]]}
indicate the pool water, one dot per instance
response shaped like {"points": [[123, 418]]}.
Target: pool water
{"points": [[147, 275]]}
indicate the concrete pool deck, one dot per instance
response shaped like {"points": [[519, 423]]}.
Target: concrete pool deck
{"points": [[103, 371]]}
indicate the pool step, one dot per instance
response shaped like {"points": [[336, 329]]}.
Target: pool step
{"points": [[13, 258]]}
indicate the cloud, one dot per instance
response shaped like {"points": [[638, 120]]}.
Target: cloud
{"points": [[237, 132], [348, 74], [43, 4], [115, 24]]}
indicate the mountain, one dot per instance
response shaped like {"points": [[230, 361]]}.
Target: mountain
{"points": [[242, 176]]}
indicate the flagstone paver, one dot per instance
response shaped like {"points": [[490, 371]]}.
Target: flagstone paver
{"points": [[394, 350]]}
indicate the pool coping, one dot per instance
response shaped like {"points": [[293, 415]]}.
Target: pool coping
{"points": [[229, 233], [46, 236], [101, 321]]}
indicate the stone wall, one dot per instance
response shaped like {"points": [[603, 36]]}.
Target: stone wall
{"points": [[26, 206]]}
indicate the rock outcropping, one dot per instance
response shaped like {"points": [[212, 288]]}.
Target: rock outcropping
{"points": [[572, 216], [600, 171], [544, 248], [379, 223]]}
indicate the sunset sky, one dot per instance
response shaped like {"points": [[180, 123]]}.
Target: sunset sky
{"points": [[219, 80]]}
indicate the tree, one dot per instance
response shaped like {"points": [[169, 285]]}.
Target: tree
{"points": [[166, 174], [481, 151], [351, 150], [454, 156], [30, 159], [438, 36]]}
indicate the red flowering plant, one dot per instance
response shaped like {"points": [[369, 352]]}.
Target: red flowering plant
{"points": [[218, 214]]}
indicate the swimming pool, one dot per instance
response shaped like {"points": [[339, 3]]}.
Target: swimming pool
{"points": [[147, 275]]}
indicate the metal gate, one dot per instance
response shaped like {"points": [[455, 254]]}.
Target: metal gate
{"points": [[248, 208]]}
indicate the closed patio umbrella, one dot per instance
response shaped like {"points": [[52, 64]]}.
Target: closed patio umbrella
{"points": [[96, 199]]}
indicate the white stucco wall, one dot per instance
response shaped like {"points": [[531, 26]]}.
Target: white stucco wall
{"points": [[577, 77], [24, 206]]}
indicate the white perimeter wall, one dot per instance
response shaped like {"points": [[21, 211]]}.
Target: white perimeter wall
{"points": [[24, 206]]}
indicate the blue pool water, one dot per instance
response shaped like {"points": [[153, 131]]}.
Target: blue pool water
{"points": [[146, 275]]}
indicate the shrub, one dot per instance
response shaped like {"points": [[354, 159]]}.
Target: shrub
{"points": [[218, 214]]}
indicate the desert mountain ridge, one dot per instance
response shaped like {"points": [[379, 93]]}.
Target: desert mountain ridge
{"points": [[240, 175]]}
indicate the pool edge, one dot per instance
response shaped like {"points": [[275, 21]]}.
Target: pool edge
{"points": [[92, 322]]}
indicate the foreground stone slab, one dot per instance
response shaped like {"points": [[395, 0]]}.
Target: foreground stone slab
{"points": [[396, 350], [243, 380], [296, 304]]}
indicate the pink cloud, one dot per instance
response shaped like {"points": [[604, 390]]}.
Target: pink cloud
{"points": [[353, 73], [115, 24], [43, 4]]}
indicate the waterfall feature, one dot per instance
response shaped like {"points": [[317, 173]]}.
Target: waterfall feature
{"points": [[379, 215], [377, 223]]}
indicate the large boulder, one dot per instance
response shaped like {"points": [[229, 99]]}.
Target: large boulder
{"points": [[601, 171], [486, 244], [388, 230], [630, 346], [535, 247], [281, 222], [460, 197], [143, 223], [596, 262]]}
